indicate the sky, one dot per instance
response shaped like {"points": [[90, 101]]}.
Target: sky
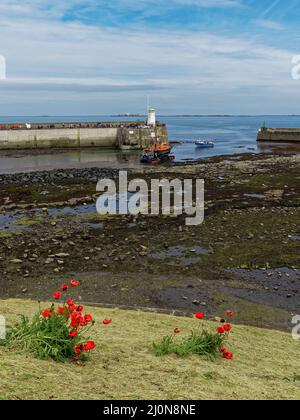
{"points": [[101, 57]]}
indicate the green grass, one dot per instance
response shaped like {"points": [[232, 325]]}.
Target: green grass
{"points": [[200, 342], [124, 365], [26, 222], [9, 234]]}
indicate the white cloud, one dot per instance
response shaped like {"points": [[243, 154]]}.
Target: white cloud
{"points": [[270, 24], [210, 3], [72, 67]]}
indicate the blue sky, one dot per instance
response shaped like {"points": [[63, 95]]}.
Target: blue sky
{"points": [[191, 56]]}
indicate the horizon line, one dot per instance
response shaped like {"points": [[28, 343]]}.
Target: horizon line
{"points": [[144, 115]]}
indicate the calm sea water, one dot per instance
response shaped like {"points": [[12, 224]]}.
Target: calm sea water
{"points": [[232, 135]]}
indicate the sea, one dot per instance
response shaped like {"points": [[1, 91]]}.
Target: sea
{"points": [[232, 135]]}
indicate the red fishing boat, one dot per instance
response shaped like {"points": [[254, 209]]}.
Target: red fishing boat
{"points": [[158, 153]]}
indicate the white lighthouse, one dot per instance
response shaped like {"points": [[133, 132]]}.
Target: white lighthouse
{"points": [[151, 117]]}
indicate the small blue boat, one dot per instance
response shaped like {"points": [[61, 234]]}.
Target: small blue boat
{"points": [[204, 143]]}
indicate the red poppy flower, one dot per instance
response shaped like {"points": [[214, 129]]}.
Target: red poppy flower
{"points": [[223, 349], [177, 331], [227, 327], [230, 313], [199, 315], [90, 345], [46, 313], [64, 287], [74, 283], [79, 308], [77, 320], [228, 355], [220, 330], [70, 302], [56, 295], [107, 321], [82, 323], [73, 333], [88, 318], [61, 310], [78, 349]]}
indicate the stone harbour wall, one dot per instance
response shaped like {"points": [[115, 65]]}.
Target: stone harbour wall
{"points": [[279, 134], [112, 137]]}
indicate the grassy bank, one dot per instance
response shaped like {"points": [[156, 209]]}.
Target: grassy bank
{"points": [[124, 367]]}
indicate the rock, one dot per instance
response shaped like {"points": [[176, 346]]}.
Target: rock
{"points": [[24, 291], [62, 255], [16, 261], [196, 302]]}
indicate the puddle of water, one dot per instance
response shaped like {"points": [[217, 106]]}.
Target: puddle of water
{"points": [[74, 211], [185, 298], [265, 297], [94, 225], [258, 196], [278, 287], [179, 251], [8, 221], [284, 278]]}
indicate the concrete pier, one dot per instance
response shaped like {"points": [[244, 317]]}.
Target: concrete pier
{"points": [[122, 135], [288, 135]]}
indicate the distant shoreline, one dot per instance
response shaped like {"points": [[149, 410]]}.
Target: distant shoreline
{"points": [[159, 116]]}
